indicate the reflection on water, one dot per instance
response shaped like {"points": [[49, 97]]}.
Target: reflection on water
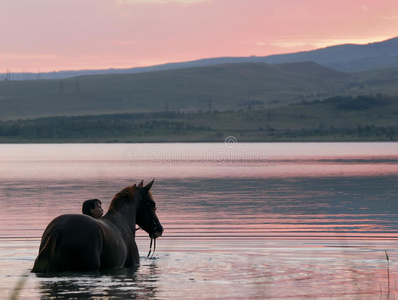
{"points": [[166, 161], [253, 221], [117, 284]]}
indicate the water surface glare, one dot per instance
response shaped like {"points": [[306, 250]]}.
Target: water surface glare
{"points": [[253, 221]]}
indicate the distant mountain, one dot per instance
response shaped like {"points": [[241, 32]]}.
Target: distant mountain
{"points": [[345, 58]]}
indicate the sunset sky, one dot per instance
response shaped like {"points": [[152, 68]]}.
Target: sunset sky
{"points": [[53, 35]]}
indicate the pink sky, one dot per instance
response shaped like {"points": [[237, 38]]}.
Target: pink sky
{"points": [[53, 35]]}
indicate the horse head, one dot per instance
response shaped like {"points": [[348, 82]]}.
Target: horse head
{"points": [[146, 211], [137, 200]]}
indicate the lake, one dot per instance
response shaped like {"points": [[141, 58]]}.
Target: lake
{"points": [[242, 220]]}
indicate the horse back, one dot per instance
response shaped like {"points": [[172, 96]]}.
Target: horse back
{"points": [[70, 243]]}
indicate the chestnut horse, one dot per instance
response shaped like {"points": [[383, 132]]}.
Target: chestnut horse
{"points": [[82, 243]]}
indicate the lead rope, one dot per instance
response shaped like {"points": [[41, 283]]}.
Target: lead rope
{"points": [[153, 241]]}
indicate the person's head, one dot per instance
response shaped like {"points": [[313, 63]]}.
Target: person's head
{"points": [[92, 208]]}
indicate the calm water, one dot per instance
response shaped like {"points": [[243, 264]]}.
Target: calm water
{"points": [[255, 221]]}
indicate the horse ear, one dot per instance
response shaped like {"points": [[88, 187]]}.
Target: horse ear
{"points": [[141, 183], [148, 186]]}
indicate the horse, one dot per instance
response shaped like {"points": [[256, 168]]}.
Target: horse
{"points": [[80, 243]]}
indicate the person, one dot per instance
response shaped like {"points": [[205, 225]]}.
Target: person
{"points": [[93, 208]]}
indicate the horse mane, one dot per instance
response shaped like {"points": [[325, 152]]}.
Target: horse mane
{"points": [[122, 198]]}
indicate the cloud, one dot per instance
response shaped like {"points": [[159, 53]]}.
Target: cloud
{"points": [[390, 17], [132, 2], [129, 43], [341, 41], [290, 44], [28, 56], [283, 44]]}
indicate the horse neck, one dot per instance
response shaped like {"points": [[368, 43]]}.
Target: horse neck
{"points": [[126, 215]]}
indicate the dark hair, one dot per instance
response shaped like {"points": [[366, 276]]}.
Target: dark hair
{"points": [[89, 204]]}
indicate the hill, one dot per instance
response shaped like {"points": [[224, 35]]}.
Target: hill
{"points": [[361, 118], [219, 87], [349, 57], [345, 58]]}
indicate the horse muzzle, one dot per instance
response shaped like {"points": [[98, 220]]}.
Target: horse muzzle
{"points": [[157, 232]]}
